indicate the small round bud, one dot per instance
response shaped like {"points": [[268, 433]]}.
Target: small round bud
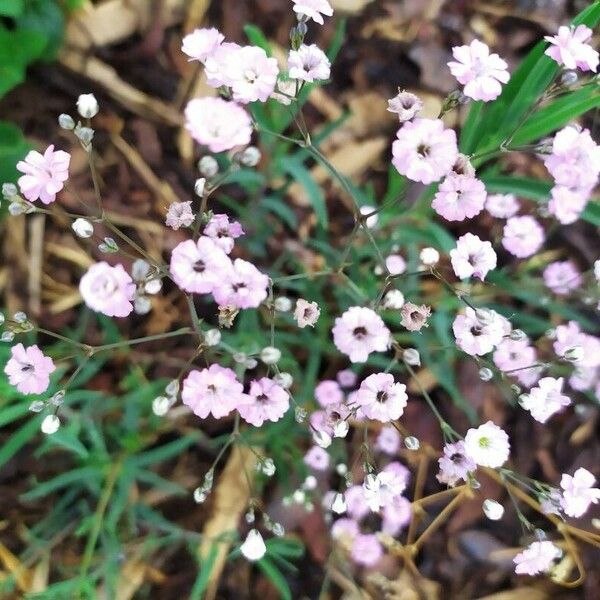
{"points": [[153, 286], [200, 495], [321, 438], [394, 300], [161, 405], [208, 166], [172, 388], [250, 156], [300, 414], [142, 305], [268, 467], [373, 219], [50, 424], [199, 186], [341, 469], [518, 335], [84, 134], [66, 122], [411, 357], [17, 208], [20, 317], [7, 336], [310, 483], [283, 304], [9, 190], [240, 357], [429, 257], [569, 78], [270, 355], [486, 374], [58, 398], [212, 337], [87, 106], [412, 443], [37, 406], [82, 228], [492, 510], [251, 363], [284, 379], [484, 316]]}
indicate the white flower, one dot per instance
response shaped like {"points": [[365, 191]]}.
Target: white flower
{"points": [[405, 105], [306, 313], [87, 106], [270, 355], [493, 510], [253, 547], [50, 424], [313, 9], [545, 399], [537, 558], [472, 257], [338, 505], [578, 492], [381, 489], [394, 299], [429, 257], [308, 63], [487, 445]]}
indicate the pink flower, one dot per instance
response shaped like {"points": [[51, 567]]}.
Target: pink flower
{"points": [[360, 331], [424, 150], [44, 174], [202, 43], [381, 398], [252, 74], [477, 336], [108, 290], [575, 158], [344, 528], [523, 236], [562, 277], [268, 402], [383, 488], [472, 257], [414, 317], [570, 336], [395, 264], [217, 124], [346, 378], [198, 266], [479, 71], [215, 391], [356, 503], [317, 458], [179, 215], [454, 464], [242, 286], [313, 9], [396, 515], [366, 550], [308, 63], [578, 492], [405, 105], [216, 67], [328, 392], [223, 232], [29, 369], [537, 558], [487, 445], [546, 399], [459, 197], [306, 313], [388, 440], [567, 204], [569, 48], [514, 356], [502, 206]]}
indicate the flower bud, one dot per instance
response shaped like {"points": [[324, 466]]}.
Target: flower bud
{"points": [[250, 156], [50, 424], [270, 355], [492, 510], [283, 304], [284, 379], [82, 228], [411, 357], [212, 337], [569, 78], [429, 257], [66, 122], [485, 374], [208, 166], [87, 106], [394, 300], [9, 191], [199, 186], [338, 505]]}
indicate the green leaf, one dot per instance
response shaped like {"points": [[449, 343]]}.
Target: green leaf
{"points": [[47, 20], [257, 37], [471, 128], [275, 576], [17, 50], [203, 577], [11, 8], [17, 440], [302, 175], [82, 475]]}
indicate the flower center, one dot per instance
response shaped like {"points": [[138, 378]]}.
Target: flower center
{"points": [[199, 266], [359, 332]]}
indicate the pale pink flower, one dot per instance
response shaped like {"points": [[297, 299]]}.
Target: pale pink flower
{"points": [[578, 492], [575, 158], [546, 399], [366, 549], [487, 445], [480, 72], [381, 398], [584, 378], [198, 266], [252, 74], [523, 236], [414, 317], [328, 392], [477, 336], [388, 441], [357, 506], [217, 65], [179, 215], [472, 257], [215, 391], [502, 206], [562, 277], [396, 515], [405, 105], [567, 204], [514, 356], [570, 336], [202, 43], [308, 63], [317, 458], [344, 528], [346, 378], [218, 124], [463, 166], [28, 369], [44, 174], [459, 197], [306, 313], [537, 558], [223, 232], [360, 331], [424, 150], [242, 286], [395, 264], [313, 9], [381, 489], [570, 49], [108, 290], [454, 464], [268, 402]]}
